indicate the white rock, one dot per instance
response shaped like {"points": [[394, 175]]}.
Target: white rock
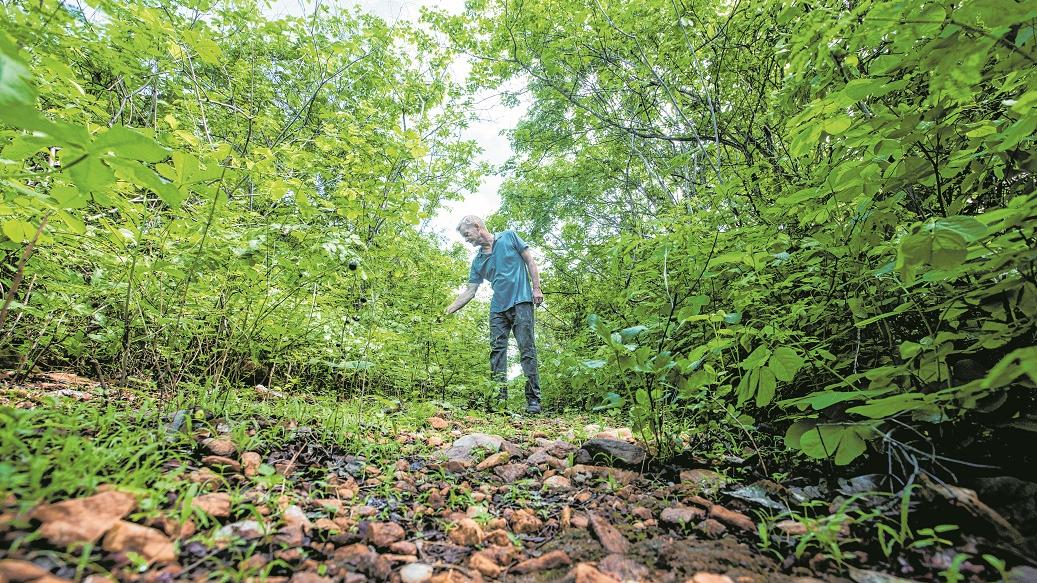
{"points": [[416, 573]]}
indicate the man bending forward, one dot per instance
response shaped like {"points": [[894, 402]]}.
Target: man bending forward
{"points": [[507, 263]]}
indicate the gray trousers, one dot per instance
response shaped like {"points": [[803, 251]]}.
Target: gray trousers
{"points": [[520, 319]]}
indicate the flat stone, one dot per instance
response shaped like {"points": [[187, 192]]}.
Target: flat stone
{"points": [[608, 535], [381, 534], [622, 476], [493, 460], [217, 505], [221, 461], [309, 577], [711, 528], [551, 560], [614, 452], [623, 568], [511, 472], [732, 518], [438, 423], [703, 480], [710, 578], [462, 448], [221, 447], [83, 520], [680, 515], [150, 543], [16, 570], [587, 573], [415, 573], [558, 483]]}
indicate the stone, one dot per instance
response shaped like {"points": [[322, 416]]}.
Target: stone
{"points": [[680, 515], [219, 460], [404, 548], [524, 521], [463, 447], [360, 557], [415, 573], [250, 462], [587, 573], [623, 568], [608, 535], [614, 452], [485, 564], [493, 460], [466, 532], [711, 528], [622, 476], [147, 542], [565, 517], [791, 527], [511, 472], [217, 505], [309, 577], [703, 480], [381, 534], [558, 483], [551, 560], [17, 571], [221, 447], [732, 518], [709, 578], [580, 521], [498, 537], [83, 520], [244, 529], [438, 423]]}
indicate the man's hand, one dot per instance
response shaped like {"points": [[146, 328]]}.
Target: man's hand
{"points": [[538, 296]]}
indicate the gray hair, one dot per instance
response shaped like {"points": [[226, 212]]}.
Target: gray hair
{"points": [[471, 221]]}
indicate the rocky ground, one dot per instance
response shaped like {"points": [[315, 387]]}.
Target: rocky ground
{"points": [[459, 504]]}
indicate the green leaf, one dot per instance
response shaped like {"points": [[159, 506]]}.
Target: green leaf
{"points": [[850, 447], [968, 227], [766, 387], [795, 432], [756, 358], [126, 143], [941, 248], [18, 231], [785, 363], [838, 124], [15, 88], [889, 406], [822, 441]]}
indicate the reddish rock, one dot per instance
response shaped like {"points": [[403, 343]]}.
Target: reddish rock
{"points": [[217, 505], [221, 447], [511, 472], [523, 521], [360, 557], [551, 560], [680, 515], [438, 423], [791, 527], [732, 518], [608, 535], [404, 548], [622, 476], [466, 532], [711, 528], [381, 534], [83, 520], [586, 573], [498, 537], [709, 578], [309, 577], [221, 461], [485, 564], [17, 571], [147, 542], [557, 483], [623, 568], [580, 521]]}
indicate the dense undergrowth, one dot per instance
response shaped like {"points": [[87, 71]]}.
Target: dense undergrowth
{"points": [[764, 222]]}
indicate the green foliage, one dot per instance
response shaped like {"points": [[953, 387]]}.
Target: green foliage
{"points": [[225, 195], [822, 215]]}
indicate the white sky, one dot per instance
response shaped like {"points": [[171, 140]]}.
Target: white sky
{"points": [[492, 115]]}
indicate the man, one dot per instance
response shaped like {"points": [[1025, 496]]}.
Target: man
{"points": [[507, 263]]}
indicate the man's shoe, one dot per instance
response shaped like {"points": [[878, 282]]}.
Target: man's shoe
{"points": [[533, 408]]}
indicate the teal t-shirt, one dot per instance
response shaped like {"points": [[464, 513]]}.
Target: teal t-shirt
{"points": [[504, 268]]}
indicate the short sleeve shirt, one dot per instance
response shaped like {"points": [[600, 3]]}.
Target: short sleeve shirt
{"points": [[504, 268]]}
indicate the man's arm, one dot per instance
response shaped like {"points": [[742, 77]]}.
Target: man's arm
{"points": [[534, 275], [465, 297]]}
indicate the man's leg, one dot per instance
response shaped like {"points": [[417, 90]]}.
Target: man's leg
{"points": [[500, 329], [527, 347]]}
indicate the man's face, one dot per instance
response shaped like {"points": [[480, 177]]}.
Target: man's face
{"points": [[472, 234]]}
